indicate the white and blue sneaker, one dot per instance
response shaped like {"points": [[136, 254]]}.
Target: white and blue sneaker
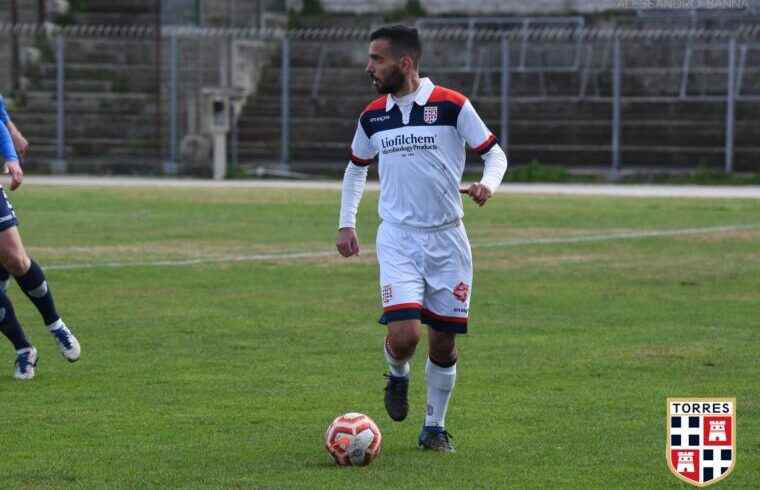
{"points": [[25, 362], [67, 343]]}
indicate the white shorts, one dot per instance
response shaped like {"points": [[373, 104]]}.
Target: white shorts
{"points": [[425, 275]]}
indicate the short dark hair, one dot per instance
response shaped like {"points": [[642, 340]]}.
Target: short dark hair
{"points": [[404, 41]]}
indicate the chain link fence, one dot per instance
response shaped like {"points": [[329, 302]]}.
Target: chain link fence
{"points": [[616, 98]]}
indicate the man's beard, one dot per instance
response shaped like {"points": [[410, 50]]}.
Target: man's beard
{"points": [[393, 84]]}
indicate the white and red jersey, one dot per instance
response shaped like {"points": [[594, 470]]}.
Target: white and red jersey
{"points": [[420, 162]]}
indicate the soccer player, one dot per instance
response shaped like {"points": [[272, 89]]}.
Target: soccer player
{"points": [[27, 273], [419, 131]]}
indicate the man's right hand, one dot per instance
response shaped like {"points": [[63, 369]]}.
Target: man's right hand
{"points": [[17, 175], [19, 142], [347, 242]]}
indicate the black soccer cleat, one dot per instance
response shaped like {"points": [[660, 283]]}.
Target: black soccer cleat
{"points": [[396, 400], [436, 439]]}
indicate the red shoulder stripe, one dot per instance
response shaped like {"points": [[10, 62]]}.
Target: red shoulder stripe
{"points": [[376, 104], [441, 94]]}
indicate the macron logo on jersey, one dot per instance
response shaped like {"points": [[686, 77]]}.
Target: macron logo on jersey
{"points": [[379, 119]]}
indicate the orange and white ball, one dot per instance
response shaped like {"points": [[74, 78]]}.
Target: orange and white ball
{"points": [[353, 439]]}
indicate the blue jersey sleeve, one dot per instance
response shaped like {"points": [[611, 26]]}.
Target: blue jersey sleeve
{"points": [[4, 117], [6, 145]]}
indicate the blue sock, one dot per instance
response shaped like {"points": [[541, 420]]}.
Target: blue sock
{"points": [[34, 285], [5, 278], [9, 325]]}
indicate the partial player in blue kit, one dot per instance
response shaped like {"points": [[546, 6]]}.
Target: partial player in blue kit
{"points": [[28, 274]]}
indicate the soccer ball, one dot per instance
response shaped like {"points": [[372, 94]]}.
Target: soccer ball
{"points": [[353, 439]]}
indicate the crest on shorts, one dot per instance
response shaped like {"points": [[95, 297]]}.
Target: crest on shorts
{"points": [[387, 294], [461, 291], [430, 114], [701, 447]]}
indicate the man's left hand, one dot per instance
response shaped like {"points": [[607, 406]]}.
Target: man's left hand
{"points": [[17, 175], [478, 192]]}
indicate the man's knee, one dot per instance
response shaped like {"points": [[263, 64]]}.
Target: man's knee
{"points": [[443, 348], [17, 264], [403, 338]]}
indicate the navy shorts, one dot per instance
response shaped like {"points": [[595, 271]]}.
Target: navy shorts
{"points": [[7, 216]]}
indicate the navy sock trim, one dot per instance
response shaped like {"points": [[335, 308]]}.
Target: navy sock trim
{"points": [[9, 325], [33, 280], [443, 364]]}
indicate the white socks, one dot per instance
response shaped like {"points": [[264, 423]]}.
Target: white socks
{"points": [[398, 367], [55, 325], [440, 383]]}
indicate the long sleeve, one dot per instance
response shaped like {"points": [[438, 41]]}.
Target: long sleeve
{"points": [[495, 167], [6, 145], [4, 117], [354, 179]]}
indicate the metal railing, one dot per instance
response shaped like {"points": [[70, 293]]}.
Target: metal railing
{"points": [[599, 66], [516, 26]]}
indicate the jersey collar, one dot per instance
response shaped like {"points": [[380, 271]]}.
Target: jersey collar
{"points": [[426, 88]]}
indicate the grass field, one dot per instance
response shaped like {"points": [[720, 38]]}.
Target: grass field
{"points": [[225, 373]]}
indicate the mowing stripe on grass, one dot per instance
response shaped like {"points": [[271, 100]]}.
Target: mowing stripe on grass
{"points": [[619, 236], [616, 190], [326, 253]]}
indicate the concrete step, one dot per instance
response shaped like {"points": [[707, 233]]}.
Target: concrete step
{"points": [[91, 103], [96, 146], [135, 55], [76, 127], [114, 18], [108, 166], [95, 70], [84, 85], [27, 11], [122, 6]]}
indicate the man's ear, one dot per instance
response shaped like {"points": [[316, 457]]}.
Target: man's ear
{"points": [[407, 64]]}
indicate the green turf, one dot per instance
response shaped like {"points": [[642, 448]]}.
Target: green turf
{"points": [[225, 375]]}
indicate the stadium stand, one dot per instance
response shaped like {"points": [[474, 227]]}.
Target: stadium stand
{"points": [[117, 115]]}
